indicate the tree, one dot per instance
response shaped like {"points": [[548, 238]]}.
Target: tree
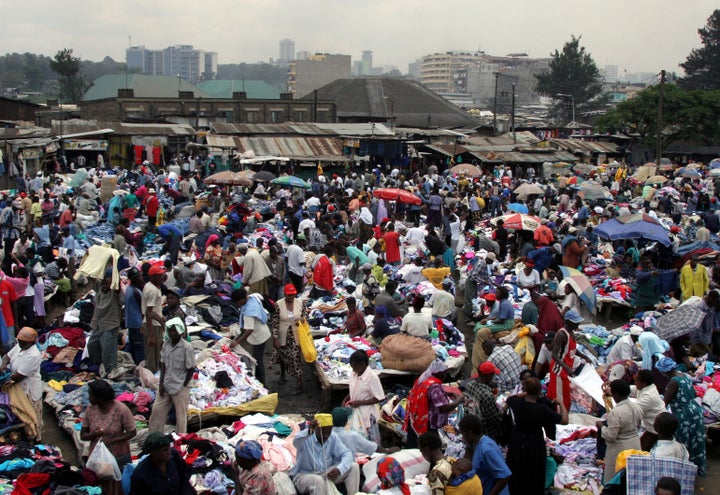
{"points": [[572, 72], [687, 116], [702, 66], [72, 83]]}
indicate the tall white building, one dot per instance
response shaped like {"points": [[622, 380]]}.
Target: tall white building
{"points": [[366, 63], [287, 52], [610, 73], [185, 61]]}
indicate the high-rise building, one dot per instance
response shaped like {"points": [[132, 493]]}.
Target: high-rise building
{"points": [[302, 55], [414, 69], [185, 61], [437, 71], [610, 73], [287, 52], [366, 63], [316, 71]]}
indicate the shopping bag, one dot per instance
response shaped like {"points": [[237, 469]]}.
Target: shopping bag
{"points": [[306, 343], [643, 473], [103, 463]]}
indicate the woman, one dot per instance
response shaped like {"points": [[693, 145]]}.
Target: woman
{"points": [[621, 428], [24, 361], [214, 257], [162, 471], [526, 450], [392, 477], [646, 296], [366, 392], [428, 403], [112, 422], [284, 320], [680, 396]]}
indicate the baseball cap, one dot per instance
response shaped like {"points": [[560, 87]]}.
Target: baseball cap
{"points": [[573, 316], [488, 368], [156, 270]]}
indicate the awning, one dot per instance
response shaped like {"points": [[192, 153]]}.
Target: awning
{"points": [[296, 148]]}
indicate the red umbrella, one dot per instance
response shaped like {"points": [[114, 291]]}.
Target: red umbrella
{"points": [[518, 221], [394, 194]]}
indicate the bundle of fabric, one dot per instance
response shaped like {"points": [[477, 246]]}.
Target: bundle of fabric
{"points": [[406, 353]]}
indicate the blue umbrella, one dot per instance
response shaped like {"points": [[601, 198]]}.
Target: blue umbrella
{"points": [[518, 208], [632, 227], [688, 172]]}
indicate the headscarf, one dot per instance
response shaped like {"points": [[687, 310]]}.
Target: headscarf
{"points": [[341, 415], [249, 449], [324, 420], [366, 216], [391, 474], [211, 239], [437, 366], [665, 365]]}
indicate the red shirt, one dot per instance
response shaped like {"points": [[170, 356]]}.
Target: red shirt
{"points": [[8, 295], [323, 273], [66, 218], [152, 205], [392, 247]]}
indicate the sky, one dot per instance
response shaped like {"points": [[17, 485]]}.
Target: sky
{"points": [[636, 35]]}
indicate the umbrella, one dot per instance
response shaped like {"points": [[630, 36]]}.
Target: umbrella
{"points": [[668, 190], [581, 285], [525, 190], [518, 221], [291, 181], [518, 208], [656, 179], [688, 172], [714, 163], [633, 226], [466, 169], [575, 180], [614, 164], [715, 172], [395, 194], [593, 191], [685, 319], [228, 178], [665, 161], [263, 176]]}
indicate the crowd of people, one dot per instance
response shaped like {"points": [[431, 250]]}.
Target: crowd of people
{"points": [[272, 251]]}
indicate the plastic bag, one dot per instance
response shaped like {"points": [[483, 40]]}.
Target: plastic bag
{"points": [[306, 343], [103, 463]]}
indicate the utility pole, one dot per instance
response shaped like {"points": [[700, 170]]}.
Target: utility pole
{"points": [[512, 117], [661, 95], [497, 74]]}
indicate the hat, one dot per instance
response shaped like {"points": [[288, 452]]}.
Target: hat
{"points": [[290, 289], [488, 368], [366, 266], [174, 290], [664, 365], [636, 330], [155, 441], [530, 263], [341, 415], [188, 260], [492, 256], [178, 323], [27, 334], [156, 270], [249, 449], [616, 372], [324, 420], [490, 297], [573, 316], [151, 190]]}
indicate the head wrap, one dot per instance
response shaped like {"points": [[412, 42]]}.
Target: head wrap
{"points": [[437, 366], [178, 324], [155, 441], [249, 449], [341, 415], [324, 420], [391, 474], [211, 239], [665, 365], [365, 216]]}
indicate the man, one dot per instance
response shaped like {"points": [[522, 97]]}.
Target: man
{"points": [[296, 263], [322, 456], [694, 280], [11, 225], [354, 441], [392, 245], [255, 270], [487, 459], [416, 322], [195, 226], [507, 361], [649, 400], [253, 322], [441, 467], [387, 299], [544, 356], [276, 265], [443, 303], [134, 314], [482, 399], [152, 206], [625, 348], [172, 307], [103, 342], [177, 365], [153, 320], [563, 363]]}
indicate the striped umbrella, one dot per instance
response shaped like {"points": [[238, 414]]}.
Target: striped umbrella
{"points": [[581, 285]]}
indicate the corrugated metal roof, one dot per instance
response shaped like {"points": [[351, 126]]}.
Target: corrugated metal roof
{"points": [[360, 129], [87, 127], [580, 146], [316, 129], [410, 131], [297, 148], [143, 85], [518, 157], [23, 133]]}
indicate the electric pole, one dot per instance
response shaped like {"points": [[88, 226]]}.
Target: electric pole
{"points": [[497, 74], [512, 116], [661, 95]]}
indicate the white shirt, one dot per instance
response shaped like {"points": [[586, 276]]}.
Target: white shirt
{"points": [[312, 202], [27, 363], [295, 257], [417, 324], [415, 236], [652, 404], [528, 280], [306, 223], [623, 349], [261, 332]]}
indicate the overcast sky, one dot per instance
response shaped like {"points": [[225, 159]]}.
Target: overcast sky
{"points": [[636, 35]]}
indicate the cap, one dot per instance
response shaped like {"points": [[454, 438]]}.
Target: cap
{"points": [[175, 290], [156, 270], [27, 334], [324, 420], [155, 441], [490, 297], [290, 289], [636, 330], [151, 190], [573, 316], [249, 449], [488, 368], [530, 263], [492, 256]]}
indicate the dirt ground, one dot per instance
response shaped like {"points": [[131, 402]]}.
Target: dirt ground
{"points": [[310, 403]]}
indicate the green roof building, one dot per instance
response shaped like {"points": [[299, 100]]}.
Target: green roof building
{"points": [[224, 88], [143, 86]]}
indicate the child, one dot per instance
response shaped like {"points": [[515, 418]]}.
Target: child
{"points": [[552, 283], [665, 425], [464, 480]]}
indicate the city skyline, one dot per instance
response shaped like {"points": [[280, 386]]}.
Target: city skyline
{"points": [[635, 36]]}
